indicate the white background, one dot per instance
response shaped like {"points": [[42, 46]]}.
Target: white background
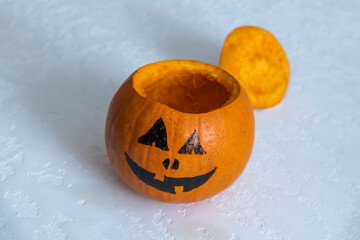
{"points": [[62, 61]]}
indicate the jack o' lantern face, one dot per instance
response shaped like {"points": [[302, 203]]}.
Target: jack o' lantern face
{"points": [[179, 131], [157, 134]]}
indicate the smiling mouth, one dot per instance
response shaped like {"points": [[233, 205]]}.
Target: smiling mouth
{"points": [[169, 183]]}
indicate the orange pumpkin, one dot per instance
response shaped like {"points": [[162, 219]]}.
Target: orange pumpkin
{"points": [[179, 130], [258, 61]]}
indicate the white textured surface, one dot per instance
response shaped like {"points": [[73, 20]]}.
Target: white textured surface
{"points": [[62, 61]]}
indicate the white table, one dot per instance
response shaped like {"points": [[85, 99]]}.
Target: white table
{"points": [[62, 61]]}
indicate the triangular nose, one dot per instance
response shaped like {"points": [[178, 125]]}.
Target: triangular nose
{"points": [[166, 163], [175, 165]]}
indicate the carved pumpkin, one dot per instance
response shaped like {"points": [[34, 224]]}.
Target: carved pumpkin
{"points": [[179, 130], [258, 61]]}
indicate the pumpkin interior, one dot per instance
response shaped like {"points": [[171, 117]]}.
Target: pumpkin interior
{"points": [[186, 86]]}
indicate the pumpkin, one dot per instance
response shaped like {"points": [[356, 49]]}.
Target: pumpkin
{"points": [[179, 130], [258, 61]]}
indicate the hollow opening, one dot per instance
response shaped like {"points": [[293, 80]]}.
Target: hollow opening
{"points": [[186, 88]]}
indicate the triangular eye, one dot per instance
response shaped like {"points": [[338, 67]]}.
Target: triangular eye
{"points": [[157, 134], [192, 144]]}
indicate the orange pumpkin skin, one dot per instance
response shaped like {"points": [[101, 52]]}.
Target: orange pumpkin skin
{"points": [[258, 61], [207, 120]]}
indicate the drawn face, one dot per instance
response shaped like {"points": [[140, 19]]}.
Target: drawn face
{"points": [[157, 134]]}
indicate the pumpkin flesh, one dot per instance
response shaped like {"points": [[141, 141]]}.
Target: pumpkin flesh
{"points": [[258, 61]]}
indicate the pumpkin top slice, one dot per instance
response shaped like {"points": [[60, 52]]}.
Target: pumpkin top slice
{"points": [[258, 61]]}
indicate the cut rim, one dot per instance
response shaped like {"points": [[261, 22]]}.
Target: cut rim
{"points": [[186, 86]]}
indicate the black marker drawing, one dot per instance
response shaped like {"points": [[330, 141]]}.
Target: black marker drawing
{"points": [[157, 134], [192, 144], [169, 183]]}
